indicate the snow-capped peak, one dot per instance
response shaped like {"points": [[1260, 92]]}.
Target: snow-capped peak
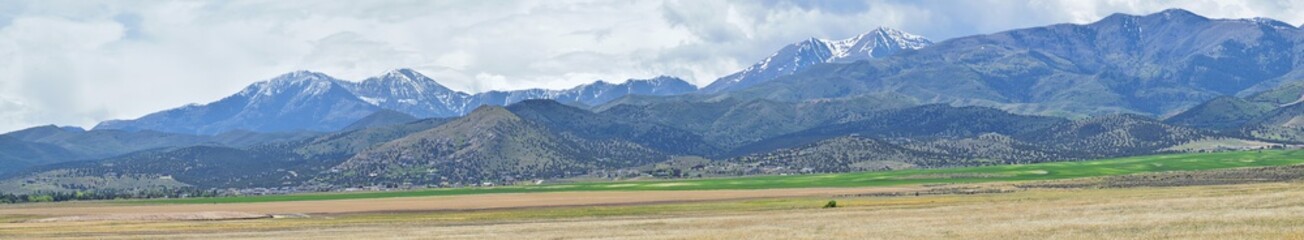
{"points": [[408, 91], [300, 75], [406, 74], [880, 42], [877, 43], [402, 81], [312, 82]]}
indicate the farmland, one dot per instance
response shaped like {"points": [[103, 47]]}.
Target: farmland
{"points": [[1003, 173]]}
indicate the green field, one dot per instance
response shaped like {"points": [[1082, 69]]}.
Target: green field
{"points": [[1004, 173]]}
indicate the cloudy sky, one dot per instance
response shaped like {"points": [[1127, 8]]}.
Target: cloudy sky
{"points": [[80, 62]]}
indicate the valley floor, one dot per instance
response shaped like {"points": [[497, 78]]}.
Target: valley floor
{"points": [[1258, 210], [1256, 194]]}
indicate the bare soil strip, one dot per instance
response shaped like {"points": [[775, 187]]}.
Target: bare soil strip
{"points": [[439, 203]]}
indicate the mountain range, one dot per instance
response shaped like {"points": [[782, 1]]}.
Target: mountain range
{"points": [[1153, 65], [311, 101], [1171, 81]]}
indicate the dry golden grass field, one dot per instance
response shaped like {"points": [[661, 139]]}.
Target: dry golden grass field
{"points": [[1237, 211]]}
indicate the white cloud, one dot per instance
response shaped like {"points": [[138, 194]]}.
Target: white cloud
{"points": [[47, 56], [76, 63]]}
